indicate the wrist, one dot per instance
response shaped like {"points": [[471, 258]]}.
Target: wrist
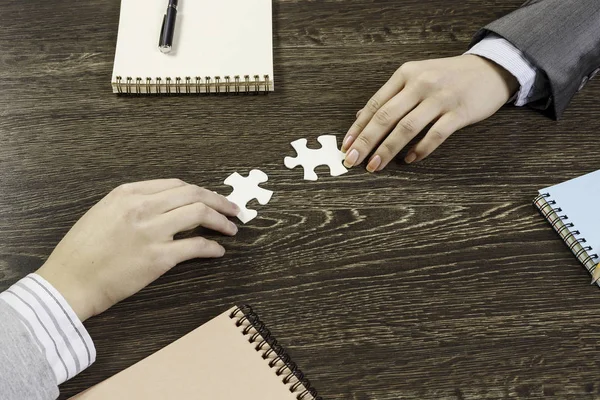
{"points": [[510, 84], [70, 288]]}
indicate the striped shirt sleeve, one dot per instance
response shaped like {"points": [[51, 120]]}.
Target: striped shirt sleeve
{"points": [[53, 324], [502, 52]]}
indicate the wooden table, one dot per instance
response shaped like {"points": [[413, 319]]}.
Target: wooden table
{"points": [[437, 280]]}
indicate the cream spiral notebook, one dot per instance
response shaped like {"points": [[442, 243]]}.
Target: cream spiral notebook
{"points": [[223, 46], [231, 357], [572, 209]]}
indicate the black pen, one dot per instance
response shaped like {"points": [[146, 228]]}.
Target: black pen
{"points": [[165, 42]]}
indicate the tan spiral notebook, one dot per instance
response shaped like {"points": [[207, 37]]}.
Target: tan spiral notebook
{"points": [[231, 357], [220, 46]]}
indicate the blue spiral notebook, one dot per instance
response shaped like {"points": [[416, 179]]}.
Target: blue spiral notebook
{"points": [[572, 208]]}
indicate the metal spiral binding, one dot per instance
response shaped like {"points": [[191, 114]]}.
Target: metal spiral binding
{"points": [[570, 237], [193, 85], [276, 355]]}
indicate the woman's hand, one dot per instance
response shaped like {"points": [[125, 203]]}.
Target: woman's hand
{"points": [[451, 93], [125, 242]]}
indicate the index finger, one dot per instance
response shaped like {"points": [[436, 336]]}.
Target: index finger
{"points": [[172, 199], [394, 85], [152, 186]]}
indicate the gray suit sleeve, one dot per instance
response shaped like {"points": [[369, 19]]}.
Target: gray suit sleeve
{"points": [[560, 37], [24, 372]]}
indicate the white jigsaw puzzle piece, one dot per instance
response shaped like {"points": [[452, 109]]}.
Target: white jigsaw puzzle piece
{"points": [[246, 189], [328, 155]]}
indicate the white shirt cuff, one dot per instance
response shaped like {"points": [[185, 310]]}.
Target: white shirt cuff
{"points": [[503, 53], [58, 332]]}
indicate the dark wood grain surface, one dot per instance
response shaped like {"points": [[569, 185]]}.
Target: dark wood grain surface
{"points": [[437, 280]]}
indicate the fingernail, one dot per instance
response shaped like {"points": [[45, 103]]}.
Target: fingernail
{"points": [[351, 158], [236, 208], [347, 142], [222, 251], [234, 227], [410, 157], [374, 163]]}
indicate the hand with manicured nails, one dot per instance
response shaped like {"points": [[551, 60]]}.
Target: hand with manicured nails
{"points": [[449, 93], [125, 242]]}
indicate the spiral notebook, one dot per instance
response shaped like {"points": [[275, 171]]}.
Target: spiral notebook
{"points": [[573, 210], [231, 357], [220, 46]]}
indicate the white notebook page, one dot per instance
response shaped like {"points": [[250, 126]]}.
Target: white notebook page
{"points": [[212, 38], [579, 200]]}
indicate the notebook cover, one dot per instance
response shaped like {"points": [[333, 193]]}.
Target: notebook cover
{"points": [[215, 361], [573, 210]]}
